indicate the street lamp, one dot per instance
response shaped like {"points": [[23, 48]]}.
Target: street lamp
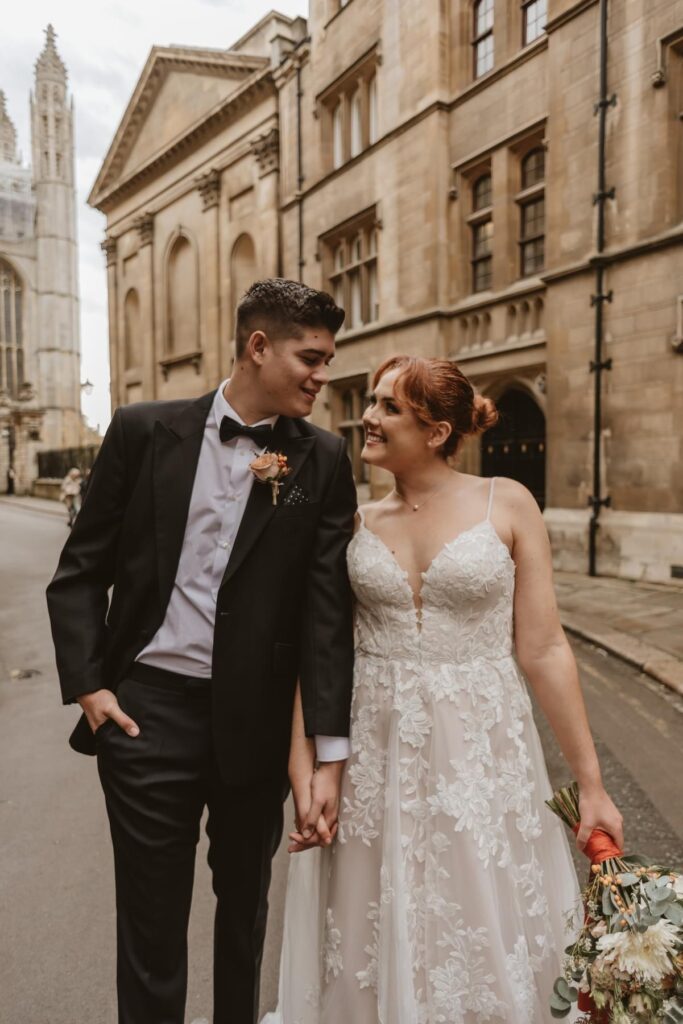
{"points": [[87, 387]]}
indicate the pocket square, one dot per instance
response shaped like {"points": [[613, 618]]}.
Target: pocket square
{"points": [[296, 496]]}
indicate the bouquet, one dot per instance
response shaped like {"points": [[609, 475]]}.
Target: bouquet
{"points": [[626, 966]]}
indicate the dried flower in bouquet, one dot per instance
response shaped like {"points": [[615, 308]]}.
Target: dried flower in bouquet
{"points": [[626, 965]]}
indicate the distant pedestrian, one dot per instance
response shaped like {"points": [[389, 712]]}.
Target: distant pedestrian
{"points": [[70, 493], [85, 480]]}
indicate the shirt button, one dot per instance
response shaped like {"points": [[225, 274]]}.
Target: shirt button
{"points": [[223, 544]]}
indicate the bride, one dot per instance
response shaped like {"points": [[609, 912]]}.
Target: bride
{"points": [[444, 897]]}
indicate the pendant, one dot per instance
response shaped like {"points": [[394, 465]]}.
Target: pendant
{"points": [[415, 508]]}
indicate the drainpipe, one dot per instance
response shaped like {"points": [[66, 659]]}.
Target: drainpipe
{"points": [[300, 170], [598, 365]]}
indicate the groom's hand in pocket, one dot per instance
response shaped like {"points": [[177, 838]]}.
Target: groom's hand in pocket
{"points": [[101, 705]]}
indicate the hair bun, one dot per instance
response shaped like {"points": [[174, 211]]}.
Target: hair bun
{"points": [[484, 414]]}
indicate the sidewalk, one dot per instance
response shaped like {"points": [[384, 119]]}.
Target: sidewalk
{"points": [[29, 504], [642, 623]]}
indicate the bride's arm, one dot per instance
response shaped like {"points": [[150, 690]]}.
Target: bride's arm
{"points": [[547, 660]]}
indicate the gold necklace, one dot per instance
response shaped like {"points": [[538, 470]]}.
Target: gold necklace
{"points": [[416, 508]]}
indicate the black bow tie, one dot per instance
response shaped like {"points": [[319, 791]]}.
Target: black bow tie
{"points": [[261, 436]]}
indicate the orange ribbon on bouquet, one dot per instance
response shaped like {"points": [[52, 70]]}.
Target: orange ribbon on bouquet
{"points": [[599, 848]]}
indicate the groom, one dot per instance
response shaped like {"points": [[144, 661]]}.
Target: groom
{"points": [[221, 601]]}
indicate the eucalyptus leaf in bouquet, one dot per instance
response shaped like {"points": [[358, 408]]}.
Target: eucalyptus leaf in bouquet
{"points": [[626, 965]]}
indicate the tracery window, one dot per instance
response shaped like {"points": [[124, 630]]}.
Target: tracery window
{"points": [[11, 330]]}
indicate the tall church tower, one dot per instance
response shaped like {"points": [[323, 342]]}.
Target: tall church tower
{"points": [[57, 314]]}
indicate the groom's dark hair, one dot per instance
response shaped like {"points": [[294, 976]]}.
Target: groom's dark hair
{"points": [[281, 308]]}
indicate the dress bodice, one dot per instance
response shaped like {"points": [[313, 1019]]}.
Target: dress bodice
{"points": [[466, 599]]}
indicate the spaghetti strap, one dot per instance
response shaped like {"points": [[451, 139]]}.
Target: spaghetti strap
{"points": [[488, 510]]}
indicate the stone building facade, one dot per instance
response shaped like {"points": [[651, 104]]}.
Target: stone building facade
{"points": [[39, 304], [434, 166]]}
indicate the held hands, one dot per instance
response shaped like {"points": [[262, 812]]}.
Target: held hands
{"points": [[598, 811], [101, 705], [316, 803]]}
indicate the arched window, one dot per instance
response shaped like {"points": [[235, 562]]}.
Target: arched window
{"points": [[182, 298], [338, 135], [356, 123], [131, 331], [243, 270], [483, 37], [11, 330]]}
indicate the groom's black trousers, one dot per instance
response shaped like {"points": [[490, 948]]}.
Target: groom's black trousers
{"points": [[156, 786]]}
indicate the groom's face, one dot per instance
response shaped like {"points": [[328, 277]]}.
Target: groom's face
{"points": [[293, 370]]}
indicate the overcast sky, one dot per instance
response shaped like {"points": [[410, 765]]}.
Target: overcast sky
{"points": [[104, 47]]}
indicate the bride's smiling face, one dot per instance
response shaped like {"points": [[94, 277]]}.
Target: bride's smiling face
{"points": [[394, 437]]}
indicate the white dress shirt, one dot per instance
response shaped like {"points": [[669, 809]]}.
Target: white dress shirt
{"points": [[222, 485]]}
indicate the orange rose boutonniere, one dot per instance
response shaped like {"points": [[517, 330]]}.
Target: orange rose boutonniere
{"points": [[271, 468]]}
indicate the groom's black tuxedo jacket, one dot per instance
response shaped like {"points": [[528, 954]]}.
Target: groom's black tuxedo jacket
{"points": [[284, 605]]}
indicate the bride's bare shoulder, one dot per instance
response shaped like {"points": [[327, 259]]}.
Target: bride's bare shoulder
{"points": [[513, 494], [369, 513]]}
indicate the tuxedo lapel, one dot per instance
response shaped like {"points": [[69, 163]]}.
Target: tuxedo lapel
{"points": [[176, 454], [260, 509]]}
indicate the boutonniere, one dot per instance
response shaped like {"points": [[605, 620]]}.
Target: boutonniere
{"points": [[271, 468]]}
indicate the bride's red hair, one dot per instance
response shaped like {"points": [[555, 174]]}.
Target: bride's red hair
{"points": [[437, 391]]}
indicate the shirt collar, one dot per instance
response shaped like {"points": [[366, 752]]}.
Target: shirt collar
{"points": [[221, 408]]}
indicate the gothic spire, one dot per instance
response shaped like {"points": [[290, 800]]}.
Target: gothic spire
{"points": [[50, 64]]}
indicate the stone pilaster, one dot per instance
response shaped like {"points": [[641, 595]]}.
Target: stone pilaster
{"points": [[209, 188], [144, 225], [110, 249]]}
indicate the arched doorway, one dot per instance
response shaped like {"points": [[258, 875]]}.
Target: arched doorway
{"points": [[515, 447]]}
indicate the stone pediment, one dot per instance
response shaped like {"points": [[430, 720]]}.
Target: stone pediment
{"points": [[177, 90]]}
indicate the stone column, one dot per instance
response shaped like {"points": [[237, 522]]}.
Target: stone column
{"points": [[144, 226], [505, 220], [215, 355], [266, 149], [109, 248]]}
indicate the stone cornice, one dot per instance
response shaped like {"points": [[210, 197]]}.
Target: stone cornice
{"points": [[261, 84], [619, 254], [160, 62]]}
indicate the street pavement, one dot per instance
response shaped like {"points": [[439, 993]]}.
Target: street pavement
{"points": [[57, 936]]}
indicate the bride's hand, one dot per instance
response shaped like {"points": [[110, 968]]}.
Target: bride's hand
{"points": [[299, 844], [598, 811]]}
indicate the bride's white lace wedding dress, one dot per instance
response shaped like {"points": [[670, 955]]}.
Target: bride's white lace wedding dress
{"points": [[445, 897]]}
